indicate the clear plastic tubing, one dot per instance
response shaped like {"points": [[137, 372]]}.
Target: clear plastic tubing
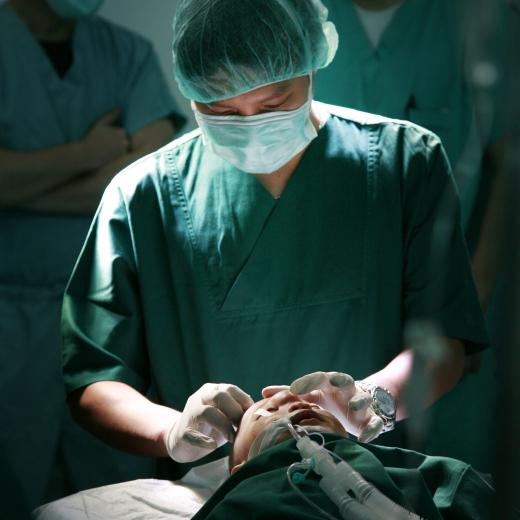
{"points": [[339, 478]]}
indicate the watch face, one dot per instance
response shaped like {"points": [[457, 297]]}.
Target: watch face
{"points": [[385, 402]]}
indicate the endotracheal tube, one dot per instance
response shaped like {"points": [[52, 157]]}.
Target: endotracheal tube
{"points": [[355, 497]]}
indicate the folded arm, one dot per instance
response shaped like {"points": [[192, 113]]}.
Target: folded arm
{"points": [[70, 178], [82, 194], [24, 175]]}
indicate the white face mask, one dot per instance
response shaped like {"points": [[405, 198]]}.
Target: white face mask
{"points": [[262, 143]]}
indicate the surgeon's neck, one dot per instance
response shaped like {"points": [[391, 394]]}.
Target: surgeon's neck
{"points": [[42, 21], [276, 182], [376, 5]]}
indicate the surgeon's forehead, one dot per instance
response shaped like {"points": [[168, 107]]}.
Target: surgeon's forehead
{"points": [[265, 92]]}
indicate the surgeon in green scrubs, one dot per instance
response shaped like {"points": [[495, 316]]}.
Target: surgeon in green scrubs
{"points": [[393, 61], [281, 238], [80, 98]]}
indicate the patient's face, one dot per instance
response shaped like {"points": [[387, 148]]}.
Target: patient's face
{"points": [[283, 405]]}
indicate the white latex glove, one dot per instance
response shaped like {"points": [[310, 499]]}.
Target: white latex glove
{"points": [[207, 421], [338, 393]]}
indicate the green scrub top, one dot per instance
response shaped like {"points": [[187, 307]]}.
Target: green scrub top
{"points": [[192, 272], [432, 487], [423, 71], [418, 73], [112, 68]]}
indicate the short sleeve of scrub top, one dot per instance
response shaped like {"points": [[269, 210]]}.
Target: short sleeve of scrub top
{"points": [[103, 311], [438, 282]]}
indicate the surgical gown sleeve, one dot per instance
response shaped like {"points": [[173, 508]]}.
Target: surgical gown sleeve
{"points": [[438, 282], [101, 317]]}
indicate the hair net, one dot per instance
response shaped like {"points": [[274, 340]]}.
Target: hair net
{"points": [[223, 48]]}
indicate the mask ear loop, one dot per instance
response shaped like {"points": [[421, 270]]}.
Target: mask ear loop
{"points": [[310, 97], [319, 113]]}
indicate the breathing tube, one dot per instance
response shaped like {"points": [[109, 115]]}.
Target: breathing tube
{"points": [[355, 498]]}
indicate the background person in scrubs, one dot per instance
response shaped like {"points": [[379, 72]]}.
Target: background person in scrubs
{"points": [[443, 65], [80, 98], [281, 238]]}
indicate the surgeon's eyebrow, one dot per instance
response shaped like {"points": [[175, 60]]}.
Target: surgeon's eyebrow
{"points": [[280, 91]]}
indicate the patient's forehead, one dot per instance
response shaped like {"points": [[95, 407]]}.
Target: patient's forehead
{"points": [[250, 412], [254, 407]]}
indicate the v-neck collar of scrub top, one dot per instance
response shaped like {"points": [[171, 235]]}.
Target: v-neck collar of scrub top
{"points": [[37, 57], [360, 43], [323, 116], [296, 181], [237, 228]]}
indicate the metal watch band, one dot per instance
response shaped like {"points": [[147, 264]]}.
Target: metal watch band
{"points": [[388, 420]]}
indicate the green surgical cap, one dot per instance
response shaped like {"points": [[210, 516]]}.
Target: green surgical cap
{"points": [[223, 48]]}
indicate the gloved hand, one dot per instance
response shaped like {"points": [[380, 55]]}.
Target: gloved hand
{"points": [[338, 393], [207, 421]]}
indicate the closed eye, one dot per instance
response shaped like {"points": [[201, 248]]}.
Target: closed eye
{"points": [[273, 106], [222, 113]]}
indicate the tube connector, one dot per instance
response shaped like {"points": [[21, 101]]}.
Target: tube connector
{"points": [[323, 462]]}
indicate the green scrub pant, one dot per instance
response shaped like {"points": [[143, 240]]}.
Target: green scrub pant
{"points": [[38, 254]]}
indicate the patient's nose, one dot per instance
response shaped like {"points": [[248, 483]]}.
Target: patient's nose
{"points": [[282, 398], [301, 405]]}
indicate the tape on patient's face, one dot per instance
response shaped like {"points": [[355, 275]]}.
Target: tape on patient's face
{"points": [[263, 412]]}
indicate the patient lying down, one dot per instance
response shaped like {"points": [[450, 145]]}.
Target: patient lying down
{"points": [[258, 488], [432, 487]]}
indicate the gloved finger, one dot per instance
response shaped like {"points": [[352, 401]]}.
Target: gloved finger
{"points": [[360, 401], [241, 397], [324, 381], [372, 429], [357, 407], [192, 445], [341, 380], [309, 382], [196, 438], [228, 406], [211, 416], [269, 391]]}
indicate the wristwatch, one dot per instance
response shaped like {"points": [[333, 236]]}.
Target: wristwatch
{"points": [[383, 403]]}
